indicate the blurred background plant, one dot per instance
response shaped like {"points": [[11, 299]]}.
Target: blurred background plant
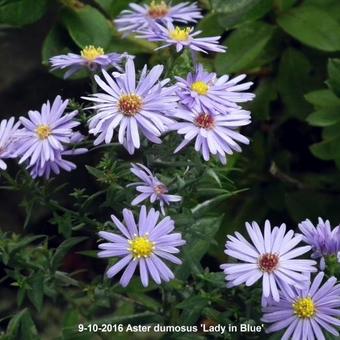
{"points": [[51, 279]]}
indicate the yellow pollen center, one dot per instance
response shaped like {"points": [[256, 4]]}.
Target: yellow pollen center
{"points": [[90, 53], [200, 87], [304, 308], [141, 246], [180, 34], [158, 11], [130, 104], [43, 131]]}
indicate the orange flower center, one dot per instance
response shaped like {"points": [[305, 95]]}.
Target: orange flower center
{"points": [[158, 11], [130, 104]]}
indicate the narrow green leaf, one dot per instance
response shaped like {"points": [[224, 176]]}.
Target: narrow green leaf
{"points": [[63, 249]]}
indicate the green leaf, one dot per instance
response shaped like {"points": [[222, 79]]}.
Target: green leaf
{"points": [[36, 293], [22, 12], [199, 238], [87, 26], [130, 44], [63, 249], [22, 327], [234, 13], [246, 48], [99, 174], [325, 117], [327, 150], [192, 309], [312, 26], [113, 7], [323, 98], [210, 26], [334, 75], [283, 5], [266, 93], [54, 43], [294, 81]]}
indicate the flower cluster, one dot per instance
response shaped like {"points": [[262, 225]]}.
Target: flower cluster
{"points": [[290, 299], [151, 187], [141, 17], [205, 109], [145, 243], [271, 256], [133, 107], [41, 140], [304, 312], [325, 242], [91, 58], [7, 140]]}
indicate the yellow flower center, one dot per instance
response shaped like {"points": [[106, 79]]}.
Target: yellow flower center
{"points": [[130, 104], [180, 34], [43, 131], [91, 53], [158, 11], [141, 246], [304, 308], [200, 87]]}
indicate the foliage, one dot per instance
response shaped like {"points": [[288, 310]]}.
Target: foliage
{"points": [[51, 276]]}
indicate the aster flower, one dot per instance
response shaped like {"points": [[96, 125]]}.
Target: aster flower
{"points": [[151, 187], [91, 58], [204, 91], [44, 133], [140, 17], [7, 140], [271, 257], [181, 38], [324, 241], [213, 134], [136, 108], [306, 313], [38, 170], [145, 243]]}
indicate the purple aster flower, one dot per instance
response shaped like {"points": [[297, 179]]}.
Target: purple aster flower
{"points": [[45, 132], [38, 170], [136, 108], [151, 187], [91, 58], [145, 243], [140, 17], [306, 313], [271, 257], [324, 241], [8, 140], [181, 38], [204, 91], [214, 134]]}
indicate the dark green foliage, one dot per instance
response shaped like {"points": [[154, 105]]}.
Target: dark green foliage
{"points": [[52, 279]]}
